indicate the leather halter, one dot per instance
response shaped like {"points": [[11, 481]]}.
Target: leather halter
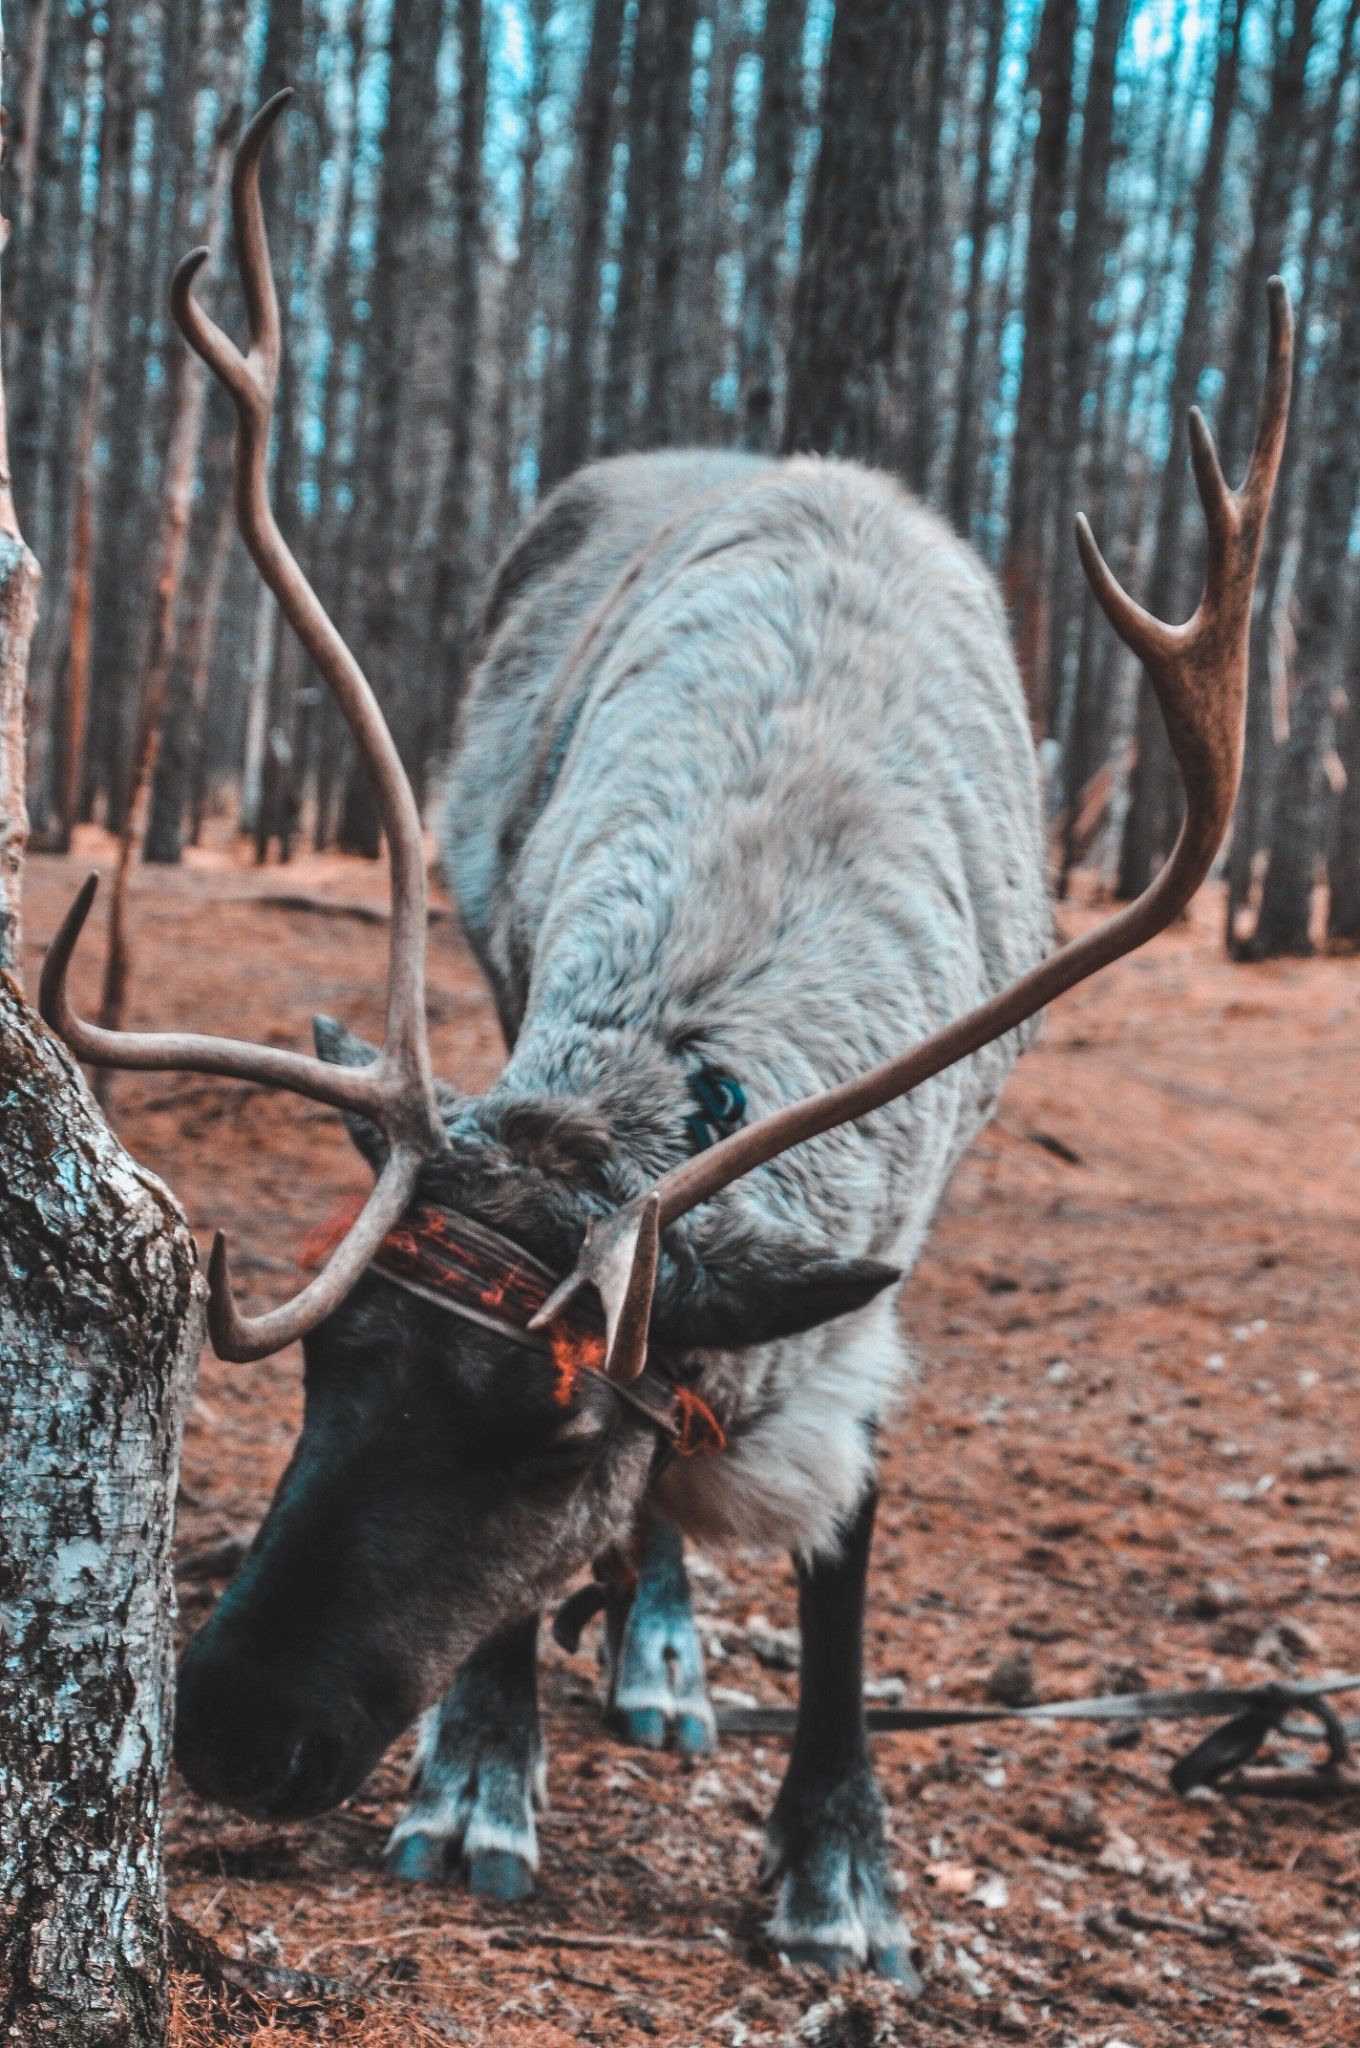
{"points": [[471, 1271]]}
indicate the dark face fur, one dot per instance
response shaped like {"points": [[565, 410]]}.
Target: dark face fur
{"points": [[438, 1489]]}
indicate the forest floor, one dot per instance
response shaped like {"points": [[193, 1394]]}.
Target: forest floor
{"points": [[1133, 1457]]}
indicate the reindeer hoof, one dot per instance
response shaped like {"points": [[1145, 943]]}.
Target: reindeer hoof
{"points": [[657, 1697], [501, 1875], [472, 1813], [834, 1912], [417, 1858]]}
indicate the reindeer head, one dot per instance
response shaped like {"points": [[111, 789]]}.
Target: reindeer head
{"points": [[448, 1478], [455, 1470]]}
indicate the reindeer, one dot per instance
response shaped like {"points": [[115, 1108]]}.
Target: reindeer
{"points": [[743, 800]]}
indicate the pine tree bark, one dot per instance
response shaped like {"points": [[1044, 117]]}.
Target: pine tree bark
{"points": [[1084, 290], [568, 409], [18, 611], [672, 334], [518, 294], [100, 1327], [19, 579], [1029, 542], [114, 144], [1152, 817], [414, 38], [926, 327], [456, 569], [848, 296], [618, 404], [1276, 184], [1295, 849], [712, 235], [776, 142], [1343, 855], [963, 454]]}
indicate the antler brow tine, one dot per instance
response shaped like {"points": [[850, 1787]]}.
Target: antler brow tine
{"points": [[397, 1092]]}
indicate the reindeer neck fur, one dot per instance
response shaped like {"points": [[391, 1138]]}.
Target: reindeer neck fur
{"points": [[744, 776]]}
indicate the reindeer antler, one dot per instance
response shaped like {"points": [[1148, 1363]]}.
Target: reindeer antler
{"points": [[1199, 671], [397, 1092]]}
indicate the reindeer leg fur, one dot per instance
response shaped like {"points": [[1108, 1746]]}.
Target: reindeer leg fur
{"points": [[825, 1852], [480, 1772]]}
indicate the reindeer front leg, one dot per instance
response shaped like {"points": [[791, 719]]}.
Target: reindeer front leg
{"points": [[655, 1693], [480, 1772], [825, 1847]]}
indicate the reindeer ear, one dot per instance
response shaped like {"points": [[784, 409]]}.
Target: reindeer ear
{"points": [[340, 1047], [768, 1289]]}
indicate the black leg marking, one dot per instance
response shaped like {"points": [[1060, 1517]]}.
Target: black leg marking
{"points": [[655, 1693], [479, 1774], [824, 1847]]}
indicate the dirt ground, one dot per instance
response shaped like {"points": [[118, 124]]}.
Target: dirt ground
{"points": [[1133, 1457]]}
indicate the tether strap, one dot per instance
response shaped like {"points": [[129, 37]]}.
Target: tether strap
{"points": [[1257, 1711]]}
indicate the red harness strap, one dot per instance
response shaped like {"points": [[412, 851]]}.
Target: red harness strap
{"points": [[471, 1271]]}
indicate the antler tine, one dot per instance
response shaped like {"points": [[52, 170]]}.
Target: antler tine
{"points": [[357, 1089], [1199, 671], [397, 1091], [239, 1337]]}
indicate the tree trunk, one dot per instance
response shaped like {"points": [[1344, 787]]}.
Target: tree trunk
{"points": [[100, 1328], [926, 326], [1329, 513], [114, 142], [1087, 264], [414, 39], [776, 143], [1029, 541], [568, 408], [673, 327], [19, 579], [518, 292], [850, 279], [1275, 188], [963, 455], [1343, 857], [1152, 817], [182, 742], [618, 408], [456, 569]]}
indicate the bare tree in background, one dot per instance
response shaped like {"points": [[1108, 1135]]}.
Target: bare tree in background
{"points": [[1297, 836], [1029, 537], [569, 388], [414, 40], [661, 420], [776, 139], [456, 570], [850, 279], [963, 455], [618, 404], [1150, 820]]}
